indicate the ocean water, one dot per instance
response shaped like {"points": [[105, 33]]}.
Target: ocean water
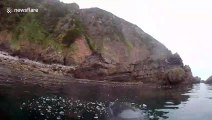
{"points": [[106, 102]]}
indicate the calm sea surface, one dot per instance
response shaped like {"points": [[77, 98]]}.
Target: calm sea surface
{"points": [[104, 102]]}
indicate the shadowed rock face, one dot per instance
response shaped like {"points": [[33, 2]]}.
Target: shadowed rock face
{"points": [[102, 45]]}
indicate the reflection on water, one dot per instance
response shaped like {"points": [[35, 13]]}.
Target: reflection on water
{"points": [[98, 102], [198, 106], [54, 107]]}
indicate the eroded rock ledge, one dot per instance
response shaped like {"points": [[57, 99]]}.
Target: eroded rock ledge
{"points": [[168, 71], [14, 70]]}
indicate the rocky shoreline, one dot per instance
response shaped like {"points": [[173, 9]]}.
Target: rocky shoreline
{"points": [[30, 65], [167, 71], [15, 70]]}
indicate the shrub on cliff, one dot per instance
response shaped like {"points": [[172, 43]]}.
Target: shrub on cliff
{"points": [[50, 14], [174, 75], [71, 36], [29, 29]]}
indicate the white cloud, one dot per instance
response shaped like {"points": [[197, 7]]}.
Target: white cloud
{"points": [[184, 26]]}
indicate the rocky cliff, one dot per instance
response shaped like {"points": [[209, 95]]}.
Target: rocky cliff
{"points": [[101, 45]]}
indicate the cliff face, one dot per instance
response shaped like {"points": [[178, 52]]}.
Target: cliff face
{"points": [[118, 39], [102, 45]]}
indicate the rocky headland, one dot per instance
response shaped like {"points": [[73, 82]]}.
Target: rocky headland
{"points": [[74, 43]]}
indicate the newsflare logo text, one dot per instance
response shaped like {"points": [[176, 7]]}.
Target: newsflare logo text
{"points": [[25, 10]]}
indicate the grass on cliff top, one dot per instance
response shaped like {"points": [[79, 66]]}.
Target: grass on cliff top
{"points": [[30, 29]]}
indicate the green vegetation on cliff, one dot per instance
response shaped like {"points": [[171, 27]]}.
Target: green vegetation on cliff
{"points": [[30, 29]]}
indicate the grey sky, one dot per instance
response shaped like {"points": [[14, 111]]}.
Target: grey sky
{"points": [[184, 26]]}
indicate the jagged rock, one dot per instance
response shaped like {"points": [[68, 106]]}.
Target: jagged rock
{"points": [[209, 80], [73, 7], [187, 68], [175, 59]]}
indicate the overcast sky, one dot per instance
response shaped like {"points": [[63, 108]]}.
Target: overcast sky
{"points": [[184, 26]]}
